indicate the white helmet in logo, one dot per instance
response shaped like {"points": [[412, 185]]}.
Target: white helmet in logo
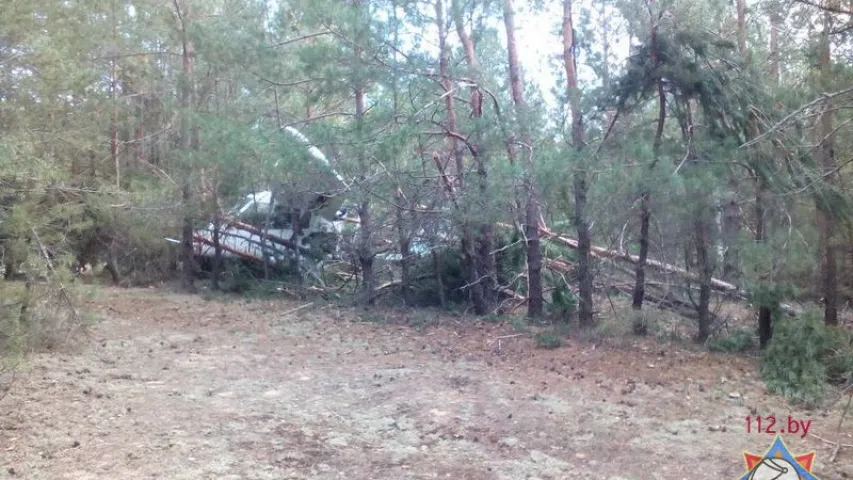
{"points": [[774, 469]]}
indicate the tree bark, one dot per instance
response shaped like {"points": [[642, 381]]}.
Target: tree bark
{"points": [[487, 266], [114, 154], [403, 240], [702, 222], [741, 29], [775, 21], [365, 254], [731, 213], [645, 195], [826, 160], [584, 263], [365, 230], [765, 315], [706, 270], [472, 274], [403, 235], [765, 312], [187, 60], [535, 304]]}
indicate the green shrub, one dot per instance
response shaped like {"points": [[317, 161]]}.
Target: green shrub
{"points": [[519, 324], [639, 323], [803, 356], [563, 303], [548, 340], [737, 341], [839, 358]]}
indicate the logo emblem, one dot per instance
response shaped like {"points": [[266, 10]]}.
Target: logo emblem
{"points": [[778, 464]]}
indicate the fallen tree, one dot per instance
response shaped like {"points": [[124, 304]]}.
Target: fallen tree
{"points": [[605, 253]]}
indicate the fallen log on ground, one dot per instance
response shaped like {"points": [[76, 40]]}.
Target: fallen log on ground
{"points": [[665, 302], [601, 252]]}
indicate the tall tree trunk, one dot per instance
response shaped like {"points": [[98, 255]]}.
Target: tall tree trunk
{"points": [[114, 100], [187, 60], [731, 225], [645, 195], [535, 300], [472, 275], [826, 160], [703, 219], [404, 242], [765, 309], [487, 267], [365, 254], [765, 316], [365, 231], [731, 213], [775, 22], [585, 305], [706, 269], [741, 28], [403, 236], [216, 268]]}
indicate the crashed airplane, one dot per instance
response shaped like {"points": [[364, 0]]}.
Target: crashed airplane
{"points": [[284, 224]]}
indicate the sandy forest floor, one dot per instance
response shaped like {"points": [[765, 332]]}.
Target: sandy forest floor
{"points": [[176, 387]]}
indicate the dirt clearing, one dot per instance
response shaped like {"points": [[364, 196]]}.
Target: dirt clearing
{"points": [[176, 387]]}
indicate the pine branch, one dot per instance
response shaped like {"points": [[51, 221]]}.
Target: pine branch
{"points": [[792, 115], [826, 8]]}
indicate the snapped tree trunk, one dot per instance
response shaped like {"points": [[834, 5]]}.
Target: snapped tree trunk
{"points": [[536, 301], [584, 262]]}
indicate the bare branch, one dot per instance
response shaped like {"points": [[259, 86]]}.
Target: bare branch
{"points": [[299, 39]]}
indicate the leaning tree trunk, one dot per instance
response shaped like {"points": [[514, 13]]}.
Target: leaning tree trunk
{"points": [[535, 296], [585, 305]]}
